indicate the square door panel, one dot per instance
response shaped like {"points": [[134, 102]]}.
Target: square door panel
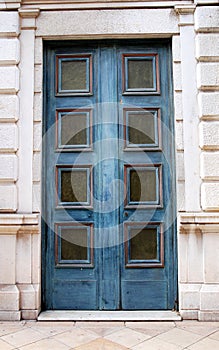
{"points": [[142, 129], [140, 73], [74, 244], [144, 246], [143, 185], [74, 186], [74, 129], [74, 74]]}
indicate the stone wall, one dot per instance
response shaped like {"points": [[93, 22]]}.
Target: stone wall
{"points": [[195, 51], [19, 233], [199, 231]]}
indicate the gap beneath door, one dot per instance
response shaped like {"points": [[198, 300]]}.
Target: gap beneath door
{"points": [[69, 315]]}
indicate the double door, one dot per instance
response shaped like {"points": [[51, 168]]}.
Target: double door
{"points": [[109, 203]]}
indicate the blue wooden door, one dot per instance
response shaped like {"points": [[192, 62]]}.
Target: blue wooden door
{"points": [[108, 195]]}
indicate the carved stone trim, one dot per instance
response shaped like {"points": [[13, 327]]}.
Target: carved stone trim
{"points": [[13, 224], [29, 12], [199, 217], [19, 219], [18, 229], [185, 9], [186, 14], [101, 4], [199, 223]]}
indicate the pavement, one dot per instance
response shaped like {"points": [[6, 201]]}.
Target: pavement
{"points": [[33, 335]]}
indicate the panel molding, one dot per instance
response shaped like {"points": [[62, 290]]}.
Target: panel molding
{"points": [[144, 264], [90, 240], [158, 135], [89, 74], [74, 111]]}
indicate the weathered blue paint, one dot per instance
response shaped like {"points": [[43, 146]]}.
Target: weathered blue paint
{"points": [[109, 284]]}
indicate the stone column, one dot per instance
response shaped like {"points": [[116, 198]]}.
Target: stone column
{"points": [[199, 230], [26, 95], [189, 108]]}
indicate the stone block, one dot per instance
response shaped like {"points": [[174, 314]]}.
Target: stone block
{"points": [[189, 295], [208, 76], [38, 78], [209, 135], [8, 198], [180, 166], [9, 108], [178, 110], [8, 168], [10, 315], [176, 47], [209, 297], [107, 22], [9, 298], [23, 258], [36, 166], [210, 196], [38, 107], [38, 51], [208, 104], [183, 257], [189, 315], [211, 261], [36, 259], [7, 259], [212, 316], [27, 297], [179, 136], [180, 196], [207, 18], [8, 137], [177, 77], [37, 290], [195, 257], [9, 51], [9, 23], [210, 165], [29, 314], [37, 136], [9, 80], [36, 197], [207, 47]]}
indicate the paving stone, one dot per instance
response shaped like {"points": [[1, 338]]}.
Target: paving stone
{"points": [[5, 346], [215, 336], [45, 344], [179, 337], [205, 344], [101, 344], [76, 337], [156, 344], [127, 337], [51, 328], [24, 337]]}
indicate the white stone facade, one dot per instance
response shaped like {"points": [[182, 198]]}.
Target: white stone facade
{"points": [[194, 29]]}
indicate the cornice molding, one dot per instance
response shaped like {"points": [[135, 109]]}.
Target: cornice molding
{"points": [[199, 228], [19, 219], [19, 229], [101, 4], [184, 9], [28, 12], [186, 14], [199, 223]]}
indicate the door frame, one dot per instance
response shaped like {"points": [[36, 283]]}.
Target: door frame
{"points": [[173, 161]]}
